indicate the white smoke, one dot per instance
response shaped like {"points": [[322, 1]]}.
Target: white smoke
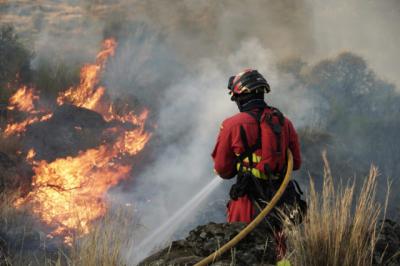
{"points": [[188, 123], [367, 28]]}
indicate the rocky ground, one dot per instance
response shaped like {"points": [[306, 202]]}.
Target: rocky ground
{"points": [[256, 249]]}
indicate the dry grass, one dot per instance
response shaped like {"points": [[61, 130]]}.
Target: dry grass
{"points": [[14, 224], [6, 218], [340, 228], [105, 244]]}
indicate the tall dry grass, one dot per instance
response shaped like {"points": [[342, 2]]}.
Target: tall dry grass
{"points": [[104, 245], [106, 242], [340, 228], [16, 229]]}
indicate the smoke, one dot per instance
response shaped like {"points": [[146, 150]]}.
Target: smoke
{"points": [[367, 28], [189, 116], [204, 43], [209, 28], [175, 57]]}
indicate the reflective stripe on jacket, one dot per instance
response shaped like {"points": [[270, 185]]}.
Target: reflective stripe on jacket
{"points": [[229, 143]]}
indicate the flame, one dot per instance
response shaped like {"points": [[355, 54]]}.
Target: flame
{"points": [[86, 94], [30, 155], [23, 100], [69, 193], [20, 127], [133, 141]]}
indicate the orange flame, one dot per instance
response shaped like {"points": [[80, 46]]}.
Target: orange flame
{"points": [[23, 100], [30, 155], [68, 194], [87, 95], [133, 141], [20, 127]]}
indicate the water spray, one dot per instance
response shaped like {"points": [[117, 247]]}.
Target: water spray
{"points": [[162, 233], [168, 227]]}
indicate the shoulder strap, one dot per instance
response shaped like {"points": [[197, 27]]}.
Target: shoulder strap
{"points": [[248, 151], [276, 127]]}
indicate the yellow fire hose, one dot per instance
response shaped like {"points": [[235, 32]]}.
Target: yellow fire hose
{"points": [[233, 242]]}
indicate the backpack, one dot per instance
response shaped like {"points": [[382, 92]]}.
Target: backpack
{"points": [[273, 142]]}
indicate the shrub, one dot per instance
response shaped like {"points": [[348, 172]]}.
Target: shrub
{"points": [[14, 60]]}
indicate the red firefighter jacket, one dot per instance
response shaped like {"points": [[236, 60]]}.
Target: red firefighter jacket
{"points": [[229, 145]]}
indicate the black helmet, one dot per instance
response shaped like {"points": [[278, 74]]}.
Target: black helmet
{"points": [[248, 81]]}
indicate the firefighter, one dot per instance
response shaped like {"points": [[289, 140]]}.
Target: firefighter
{"points": [[252, 145]]}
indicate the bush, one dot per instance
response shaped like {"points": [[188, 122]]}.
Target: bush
{"points": [[14, 60], [53, 76]]}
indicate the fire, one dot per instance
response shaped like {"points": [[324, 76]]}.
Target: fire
{"points": [[23, 100], [20, 127], [87, 94], [133, 141], [31, 154], [68, 194]]}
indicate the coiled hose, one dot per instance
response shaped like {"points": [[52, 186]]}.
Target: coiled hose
{"points": [[233, 242]]}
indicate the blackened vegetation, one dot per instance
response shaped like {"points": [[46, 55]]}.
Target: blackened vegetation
{"points": [[71, 129]]}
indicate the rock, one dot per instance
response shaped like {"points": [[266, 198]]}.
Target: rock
{"points": [[258, 248]]}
